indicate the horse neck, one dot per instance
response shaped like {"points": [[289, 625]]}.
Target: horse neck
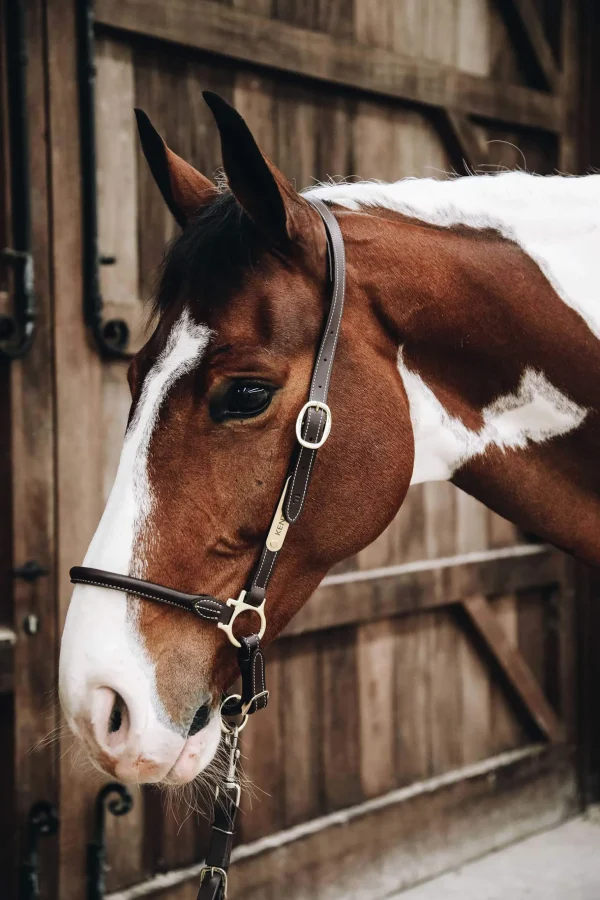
{"points": [[500, 372]]}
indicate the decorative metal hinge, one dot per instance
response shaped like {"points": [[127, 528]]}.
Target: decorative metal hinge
{"points": [[120, 805], [42, 821], [30, 571], [111, 337]]}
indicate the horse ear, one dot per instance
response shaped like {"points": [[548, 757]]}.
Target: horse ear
{"points": [[257, 184], [185, 190]]}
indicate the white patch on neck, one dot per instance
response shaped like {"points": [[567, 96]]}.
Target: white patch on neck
{"points": [[130, 500], [537, 412]]}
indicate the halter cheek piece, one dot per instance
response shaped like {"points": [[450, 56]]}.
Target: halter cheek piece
{"points": [[312, 430]]}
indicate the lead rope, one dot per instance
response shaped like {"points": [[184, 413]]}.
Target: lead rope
{"points": [[213, 877]]}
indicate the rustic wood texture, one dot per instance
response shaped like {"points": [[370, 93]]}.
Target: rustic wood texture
{"points": [[33, 526], [78, 377], [527, 27], [514, 667], [384, 846], [356, 597], [117, 187], [215, 28]]}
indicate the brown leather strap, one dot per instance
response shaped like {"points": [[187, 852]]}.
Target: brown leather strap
{"points": [[314, 420], [202, 605], [254, 695], [213, 881]]}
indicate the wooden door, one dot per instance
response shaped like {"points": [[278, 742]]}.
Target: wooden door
{"points": [[423, 706]]}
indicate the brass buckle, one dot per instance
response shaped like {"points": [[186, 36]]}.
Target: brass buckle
{"points": [[313, 404], [240, 606], [212, 870]]}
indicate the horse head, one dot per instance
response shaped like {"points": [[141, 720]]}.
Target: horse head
{"points": [[216, 393]]}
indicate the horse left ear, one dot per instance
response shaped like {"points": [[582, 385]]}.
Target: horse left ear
{"points": [[184, 189], [257, 184]]}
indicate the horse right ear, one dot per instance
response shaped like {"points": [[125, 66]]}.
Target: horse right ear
{"points": [[184, 189]]}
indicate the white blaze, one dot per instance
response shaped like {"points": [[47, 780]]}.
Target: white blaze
{"points": [[130, 500], [100, 645]]}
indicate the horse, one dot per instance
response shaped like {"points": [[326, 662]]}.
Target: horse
{"points": [[468, 351]]}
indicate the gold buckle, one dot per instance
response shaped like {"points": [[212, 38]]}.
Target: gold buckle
{"points": [[240, 606], [212, 870]]}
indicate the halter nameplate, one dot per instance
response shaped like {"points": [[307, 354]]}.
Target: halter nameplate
{"points": [[279, 525]]}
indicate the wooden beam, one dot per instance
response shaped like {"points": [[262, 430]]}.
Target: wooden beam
{"points": [[466, 147], [366, 596], [514, 667], [215, 28], [525, 23]]}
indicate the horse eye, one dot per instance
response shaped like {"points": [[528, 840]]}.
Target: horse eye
{"points": [[242, 400]]}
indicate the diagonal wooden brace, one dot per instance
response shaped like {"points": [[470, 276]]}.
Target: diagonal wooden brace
{"points": [[514, 667]]}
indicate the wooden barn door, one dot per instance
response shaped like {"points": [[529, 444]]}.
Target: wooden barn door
{"points": [[423, 707], [28, 620]]}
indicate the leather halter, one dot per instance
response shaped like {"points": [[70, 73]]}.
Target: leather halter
{"points": [[312, 430]]}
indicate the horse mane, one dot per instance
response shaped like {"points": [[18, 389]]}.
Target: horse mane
{"points": [[207, 261]]}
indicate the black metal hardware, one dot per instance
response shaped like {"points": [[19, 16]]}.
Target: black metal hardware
{"points": [[42, 821], [111, 337], [120, 805], [17, 329], [30, 571]]}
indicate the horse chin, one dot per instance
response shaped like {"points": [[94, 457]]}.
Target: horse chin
{"points": [[196, 755]]}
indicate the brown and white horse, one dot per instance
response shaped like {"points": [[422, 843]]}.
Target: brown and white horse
{"points": [[469, 351]]}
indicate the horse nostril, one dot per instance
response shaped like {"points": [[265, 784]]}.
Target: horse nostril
{"points": [[116, 715], [200, 720]]}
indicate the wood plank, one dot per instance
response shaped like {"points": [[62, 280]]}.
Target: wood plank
{"points": [[588, 613], [468, 151], [532, 625], [339, 727], [169, 88], [32, 433], [124, 844], [78, 380], [511, 727], [573, 37], [527, 29], [222, 30], [566, 669], [476, 698], [262, 749], [412, 703], [392, 842], [299, 701], [473, 39], [296, 137], [446, 712], [471, 524], [514, 667], [376, 651], [116, 148], [354, 597]]}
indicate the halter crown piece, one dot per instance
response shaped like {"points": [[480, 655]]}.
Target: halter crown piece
{"points": [[313, 426]]}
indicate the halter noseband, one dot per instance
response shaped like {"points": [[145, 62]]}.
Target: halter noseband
{"points": [[312, 430]]}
